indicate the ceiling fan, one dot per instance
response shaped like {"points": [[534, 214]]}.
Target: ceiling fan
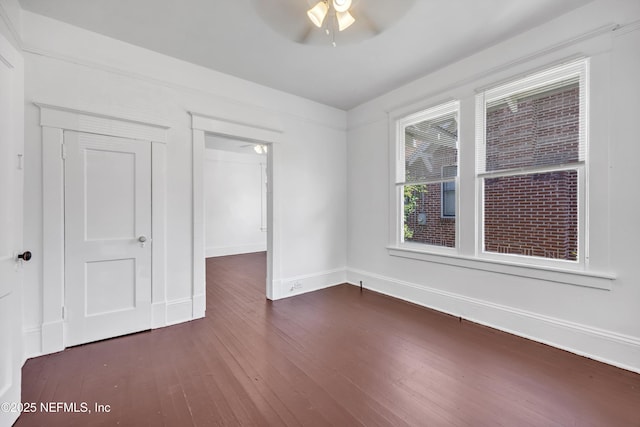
{"points": [[340, 8], [258, 148], [331, 14], [325, 22]]}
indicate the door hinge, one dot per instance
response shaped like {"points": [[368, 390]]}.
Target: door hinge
{"points": [[63, 151], [64, 313]]}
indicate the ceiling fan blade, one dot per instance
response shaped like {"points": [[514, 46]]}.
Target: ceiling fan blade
{"points": [[366, 22], [305, 35]]}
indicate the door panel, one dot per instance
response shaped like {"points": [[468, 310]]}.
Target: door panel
{"points": [[110, 196], [11, 201], [111, 286], [107, 213]]}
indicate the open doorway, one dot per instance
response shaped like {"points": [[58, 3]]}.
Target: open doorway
{"points": [[205, 127], [235, 201], [235, 196]]}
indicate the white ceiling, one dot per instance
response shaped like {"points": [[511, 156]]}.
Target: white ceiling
{"points": [[384, 50]]}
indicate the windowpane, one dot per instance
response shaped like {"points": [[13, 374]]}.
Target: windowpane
{"points": [[430, 145], [449, 199], [534, 128], [533, 215], [423, 222], [426, 175], [531, 157]]}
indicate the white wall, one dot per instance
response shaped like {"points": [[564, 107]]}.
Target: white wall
{"points": [[602, 324], [235, 192], [74, 68]]}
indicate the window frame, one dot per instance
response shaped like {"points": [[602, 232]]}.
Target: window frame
{"points": [[397, 137], [580, 70]]}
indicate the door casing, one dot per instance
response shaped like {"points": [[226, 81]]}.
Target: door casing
{"points": [[54, 121], [260, 134]]}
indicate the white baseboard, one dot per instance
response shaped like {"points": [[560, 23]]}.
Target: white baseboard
{"points": [[52, 337], [31, 342], [605, 346], [38, 341], [234, 250], [199, 306], [158, 315], [297, 285], [179, 311]]}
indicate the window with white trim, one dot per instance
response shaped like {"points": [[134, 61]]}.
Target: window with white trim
{"points": [[531, 166], [426, 176]]}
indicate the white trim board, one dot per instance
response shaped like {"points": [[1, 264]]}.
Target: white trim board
{"points": [[202, 124], [297, 285], [199, 83], [589, 279], [67, 118], [604, 346], [32, 342], [13, 27], [179, 311]]}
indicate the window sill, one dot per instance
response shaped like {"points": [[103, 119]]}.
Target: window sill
{"points": [[587, 279]]}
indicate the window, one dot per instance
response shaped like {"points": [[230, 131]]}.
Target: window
{"points": [[426, 176], [531, 166], [532, 178]]}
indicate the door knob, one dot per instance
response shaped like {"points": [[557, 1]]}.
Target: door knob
{"points": [[26, 256], [142, 240]]}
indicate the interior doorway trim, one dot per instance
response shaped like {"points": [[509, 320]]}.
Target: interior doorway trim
{"points": [[54, 120], [201, 125]]}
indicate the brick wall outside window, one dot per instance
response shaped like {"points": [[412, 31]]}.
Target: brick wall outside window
{"points": [[534, 214], [437, 230]]}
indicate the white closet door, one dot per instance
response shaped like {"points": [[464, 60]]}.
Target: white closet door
{"points": [[107, 236]]}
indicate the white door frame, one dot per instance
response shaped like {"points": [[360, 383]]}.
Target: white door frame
{"points": [[201, 125], [54, 121]]}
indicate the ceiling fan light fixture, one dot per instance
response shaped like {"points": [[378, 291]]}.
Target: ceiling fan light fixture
{"points": [[345, 19], [317, 13], [341, 5], [260, 149]]}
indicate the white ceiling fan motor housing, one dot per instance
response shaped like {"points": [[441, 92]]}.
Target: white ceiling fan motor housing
{"points": [[341, 5]]}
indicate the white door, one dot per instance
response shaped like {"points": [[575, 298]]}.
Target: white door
{"points": [[107, 236], [11, 99]]}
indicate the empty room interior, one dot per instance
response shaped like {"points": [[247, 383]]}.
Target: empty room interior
{"points": [[319, 212]]}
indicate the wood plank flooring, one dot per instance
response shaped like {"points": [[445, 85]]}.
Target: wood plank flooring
{"points": [[336, 357]]}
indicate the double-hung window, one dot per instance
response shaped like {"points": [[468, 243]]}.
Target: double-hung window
{"points": [[426, 176], [531, 178], [531, 166]]}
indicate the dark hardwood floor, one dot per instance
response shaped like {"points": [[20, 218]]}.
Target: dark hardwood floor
{"points": [[332, 357]]}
